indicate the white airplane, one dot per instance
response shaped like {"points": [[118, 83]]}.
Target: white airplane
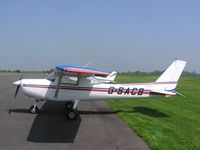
{"points": [[73, 84]]}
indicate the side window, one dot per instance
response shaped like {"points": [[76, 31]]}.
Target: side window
{"points": [[69, 80]]}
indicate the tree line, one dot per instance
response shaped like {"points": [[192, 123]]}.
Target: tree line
{"points": [[141, 73], [157, 73]]}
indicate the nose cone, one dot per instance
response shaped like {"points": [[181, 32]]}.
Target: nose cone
{"points": [[17, 82]]}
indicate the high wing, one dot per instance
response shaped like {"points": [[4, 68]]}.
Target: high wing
{"points": [[82, 70]]}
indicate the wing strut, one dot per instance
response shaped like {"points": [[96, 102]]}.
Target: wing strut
{"points": [[58, 86]]}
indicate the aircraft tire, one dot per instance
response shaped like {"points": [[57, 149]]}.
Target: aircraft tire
{"points": [[72, 115], [33, 109]]}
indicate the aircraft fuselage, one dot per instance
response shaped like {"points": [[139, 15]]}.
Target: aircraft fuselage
{"points": [[44, 89]]}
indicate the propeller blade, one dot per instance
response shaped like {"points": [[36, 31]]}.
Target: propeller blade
{"points": [[17, 90], [18, 83], [21, 77]]}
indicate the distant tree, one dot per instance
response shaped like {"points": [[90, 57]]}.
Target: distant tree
{"points": [[158, 73], [17, 71]]}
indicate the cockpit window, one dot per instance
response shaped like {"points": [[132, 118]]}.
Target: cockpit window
{"points": [[51, 77], [69, 80]]}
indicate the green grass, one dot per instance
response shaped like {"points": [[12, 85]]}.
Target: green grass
{"points": [[171, 123]]}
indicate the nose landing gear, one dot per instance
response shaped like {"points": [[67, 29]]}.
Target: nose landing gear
{"points": [[34, 109]]}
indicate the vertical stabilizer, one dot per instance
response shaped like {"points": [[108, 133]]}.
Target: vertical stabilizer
{"points": [[171, 75], [173, 72]]}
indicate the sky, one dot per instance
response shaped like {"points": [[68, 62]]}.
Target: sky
{"points": [[128, 35]]}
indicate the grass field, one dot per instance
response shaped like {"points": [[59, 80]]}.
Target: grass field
{"points": [[171, 123]]}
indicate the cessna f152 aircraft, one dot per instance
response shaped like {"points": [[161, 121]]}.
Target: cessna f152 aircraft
{"points": [[73, 84]]}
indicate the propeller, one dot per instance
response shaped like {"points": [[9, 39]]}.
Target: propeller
{"points": [[18, 83]]}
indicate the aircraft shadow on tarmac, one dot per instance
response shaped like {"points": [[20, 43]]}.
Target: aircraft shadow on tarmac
{"points": [[49, 125]]}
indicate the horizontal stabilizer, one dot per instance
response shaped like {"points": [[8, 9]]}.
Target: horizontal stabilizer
{"points": [[165, 93]]}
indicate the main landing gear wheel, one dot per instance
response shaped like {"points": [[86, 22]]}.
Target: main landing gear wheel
{"points": [[71, 107], [72, 114], [33, 109]]}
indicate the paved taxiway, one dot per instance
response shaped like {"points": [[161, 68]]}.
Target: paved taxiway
{"points": [[98, 128]]}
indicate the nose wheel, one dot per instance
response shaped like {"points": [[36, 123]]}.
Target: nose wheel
{"points": [[33, 109]]}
